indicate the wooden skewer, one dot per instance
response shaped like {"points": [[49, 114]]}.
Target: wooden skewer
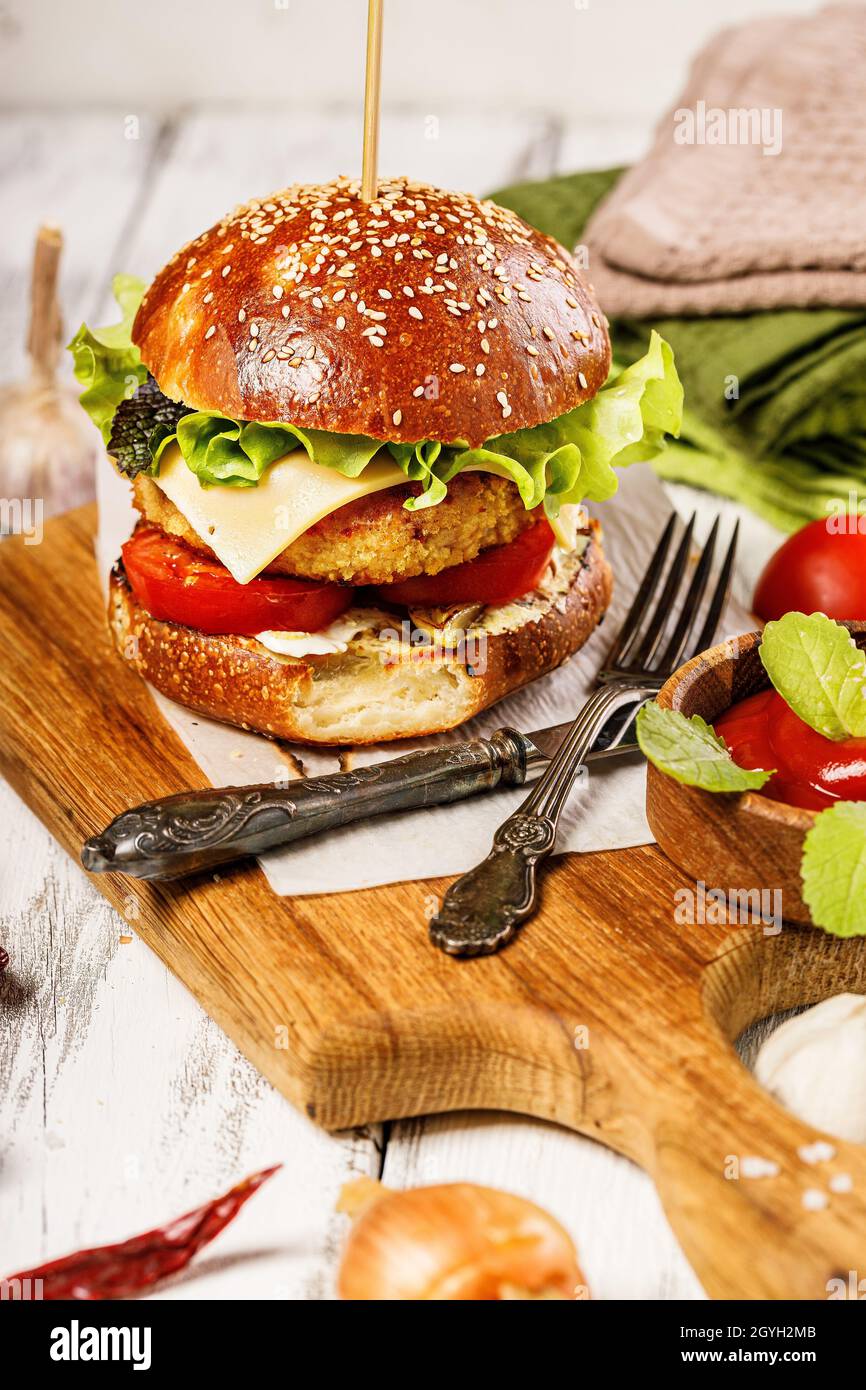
{"points": [[43, 339], [371, 100]]}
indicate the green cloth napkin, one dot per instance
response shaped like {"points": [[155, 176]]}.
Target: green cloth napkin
{"points": [[775, 401]]}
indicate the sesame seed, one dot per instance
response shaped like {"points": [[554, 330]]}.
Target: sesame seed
{"points": [[501, 397], [548, 333], [341, 322], [225, 270], [419, 391], [397, 417], [269, 355], [408, 290], [310, 353], [277, 291], [416, 313], [208, 297], [456, 367], [285, 311], [339, 296], [384, 294], [533, 351], [211, 331], [378, 342], [582, 379], [254, 330], [479, 370], [571, 301], [485, 346], [242, 313]]}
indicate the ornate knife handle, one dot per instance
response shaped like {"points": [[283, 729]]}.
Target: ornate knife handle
{"points": [[198, 830], [483, 909]]}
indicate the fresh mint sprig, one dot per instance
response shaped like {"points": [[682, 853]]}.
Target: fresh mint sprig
{"points": [[816, 668], [833, 869], [688, 750]]}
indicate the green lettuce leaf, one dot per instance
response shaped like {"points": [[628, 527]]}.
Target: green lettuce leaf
{"points": [[570, 459], [105, 360], [833, 869], [690, 751], [817, 669], [236, 453]]}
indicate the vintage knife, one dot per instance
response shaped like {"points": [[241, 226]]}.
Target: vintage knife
{"points": [[195, 831]]}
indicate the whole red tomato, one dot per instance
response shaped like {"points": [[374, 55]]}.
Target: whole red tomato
{"points": [[821, 569]]}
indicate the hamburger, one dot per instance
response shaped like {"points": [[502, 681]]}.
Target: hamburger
{"points": [[360, 438]]}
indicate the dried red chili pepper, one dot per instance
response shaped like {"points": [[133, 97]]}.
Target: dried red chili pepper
{"points": [[116, 1271]]}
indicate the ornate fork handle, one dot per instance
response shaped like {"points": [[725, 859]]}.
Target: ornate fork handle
{"points": [[482, 909]]}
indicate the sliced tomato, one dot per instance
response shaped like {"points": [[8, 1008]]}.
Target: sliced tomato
{"points": [[497, 575], [174, 583]]}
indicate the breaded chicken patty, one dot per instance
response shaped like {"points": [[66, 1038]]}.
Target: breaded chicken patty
{"points": [[375, 540]]}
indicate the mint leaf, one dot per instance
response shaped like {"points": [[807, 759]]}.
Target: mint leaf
{"points": [[690, 751], [833, 869], [817, 669]]}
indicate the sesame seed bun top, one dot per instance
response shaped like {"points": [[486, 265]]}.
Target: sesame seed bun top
{"points": [[422, 315]]}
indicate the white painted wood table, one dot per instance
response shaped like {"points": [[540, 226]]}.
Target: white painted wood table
{"points": [[121, 1103]]}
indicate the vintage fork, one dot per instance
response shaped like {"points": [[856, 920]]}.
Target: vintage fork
{"points": [[483, 908]]}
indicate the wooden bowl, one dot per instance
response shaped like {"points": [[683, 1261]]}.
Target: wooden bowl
{"points": [[746, 841]]}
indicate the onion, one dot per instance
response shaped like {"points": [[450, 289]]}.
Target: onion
{"points": [[454, 1241]]}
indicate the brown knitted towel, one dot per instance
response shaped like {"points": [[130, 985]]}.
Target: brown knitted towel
{"points": [[701, 228]]}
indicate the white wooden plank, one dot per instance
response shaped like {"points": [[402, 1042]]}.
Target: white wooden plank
{"points": [[123, 1105], [625, 1245], [593, 143], [82, 172]]}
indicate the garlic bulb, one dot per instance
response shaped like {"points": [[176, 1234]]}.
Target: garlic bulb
{"points": [[455, 1241], [48, 447], [815, 1065]]}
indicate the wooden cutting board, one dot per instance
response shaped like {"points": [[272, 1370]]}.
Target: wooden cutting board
{"points": [[605, 1014]]}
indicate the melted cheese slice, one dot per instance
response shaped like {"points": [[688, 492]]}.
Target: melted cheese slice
{"points": [[248, 527]]}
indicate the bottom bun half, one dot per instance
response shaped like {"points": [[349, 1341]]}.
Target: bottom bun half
{"points": [[392, 676]]}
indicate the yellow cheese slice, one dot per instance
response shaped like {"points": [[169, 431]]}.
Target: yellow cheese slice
{"points": [[248, 527]]}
